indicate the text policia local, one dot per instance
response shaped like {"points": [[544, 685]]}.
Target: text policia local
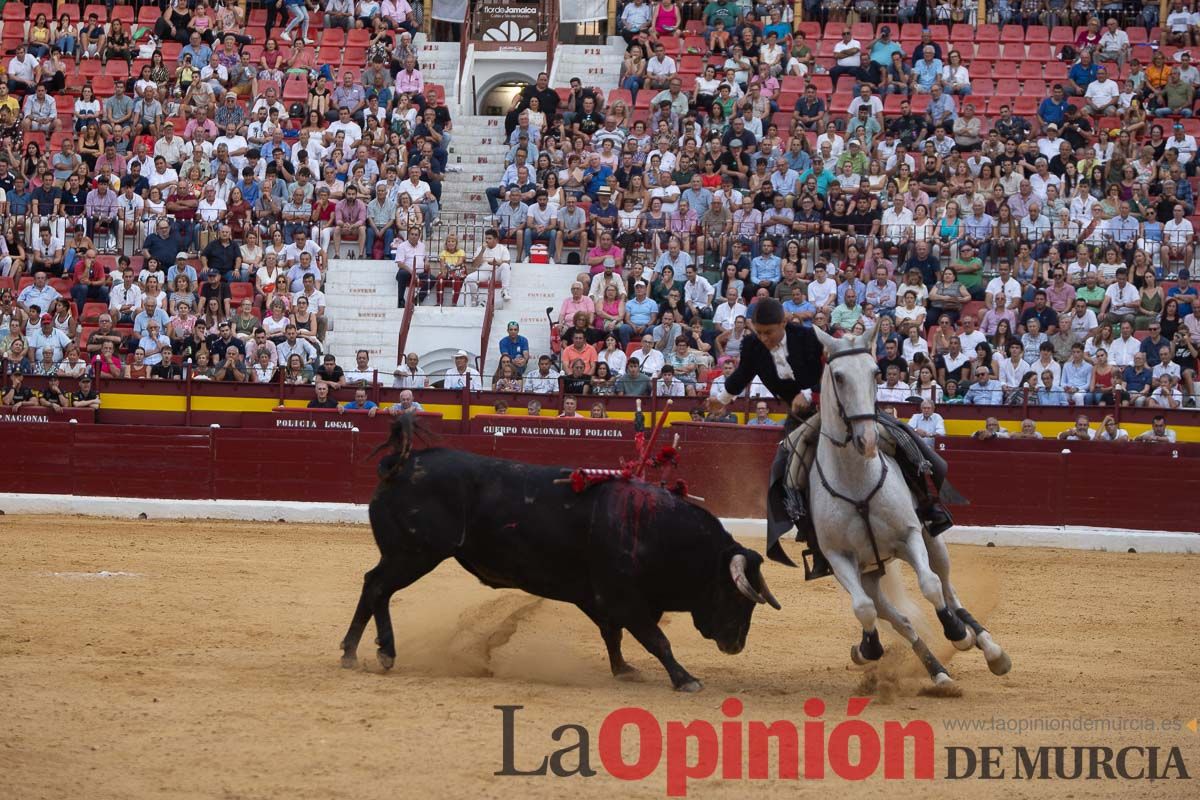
{"points": [[851, 750]]}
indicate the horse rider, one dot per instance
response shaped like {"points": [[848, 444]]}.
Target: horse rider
{"points": [[787, 358]]}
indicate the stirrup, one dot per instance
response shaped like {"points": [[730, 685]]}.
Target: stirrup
{"points": [[815, 564]]}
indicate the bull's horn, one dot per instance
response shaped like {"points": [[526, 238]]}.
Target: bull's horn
{"points": [[766, 592], [737, 568]]}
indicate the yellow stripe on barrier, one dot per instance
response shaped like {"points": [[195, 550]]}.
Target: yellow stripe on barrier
{"points": [[126, 401], [117, 401]]}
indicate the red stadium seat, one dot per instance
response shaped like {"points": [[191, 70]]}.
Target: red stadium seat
{"points": [[99, 9], [839, 104], [103, 84], [295, 90], [14, 13], [241, 290], [624, 95], [1011, 51], [149, 14], [985, 53], [1029, 70], [1026, 107], [985, 33], [973, 307], [1035, 88], [1008, 86], [333, 37], [1036, 33], [1056, 71], [811, 30], [1004, 69], [92, 312], [1012, 33], [1040, 52], [1060, 36]]}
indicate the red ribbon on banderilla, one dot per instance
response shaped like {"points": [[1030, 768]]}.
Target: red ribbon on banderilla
{"points": [[666, 459]]}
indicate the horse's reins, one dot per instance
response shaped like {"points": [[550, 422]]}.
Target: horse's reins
{"points": [[863, 507]]}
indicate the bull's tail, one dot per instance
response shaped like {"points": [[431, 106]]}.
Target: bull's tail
{"points": [[400, 443]]}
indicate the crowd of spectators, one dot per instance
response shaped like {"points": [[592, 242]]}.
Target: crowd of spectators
{"points": [[1011, 206], [175, 182]]}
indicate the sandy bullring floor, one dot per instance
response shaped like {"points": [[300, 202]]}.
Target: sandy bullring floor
{"points": [[211, 669]]}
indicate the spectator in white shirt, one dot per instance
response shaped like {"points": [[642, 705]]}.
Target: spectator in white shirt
{"points": [[1122, 349], [892, 390], [460, 375], [409, 375], [1178, 239], [660, 69], [698, 293], [1101, 95], [1114, 45], [1121, 300], [491, 262], [1006, 284], [730, 310], [928, 423]]}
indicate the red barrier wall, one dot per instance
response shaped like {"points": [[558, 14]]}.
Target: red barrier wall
{"points": [[1142, 486]]}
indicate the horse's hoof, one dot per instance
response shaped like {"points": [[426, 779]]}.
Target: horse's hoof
{"points": [[627, 673], [942, 679], [349, 661], [385, 660], [967, 642], [1000, 665], [856, 656], [690, 687]]}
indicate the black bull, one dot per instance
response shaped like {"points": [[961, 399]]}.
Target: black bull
{"points": [[623, 552]]}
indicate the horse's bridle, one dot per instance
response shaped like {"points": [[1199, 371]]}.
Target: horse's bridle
{"points": [[847, 419], [863, 507]]}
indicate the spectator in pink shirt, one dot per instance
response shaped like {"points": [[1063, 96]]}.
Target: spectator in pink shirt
{"points": [[577, 302], [399, 15], [350, 222], [409, 80], [605, 249], [200, 123], [993, 316]]}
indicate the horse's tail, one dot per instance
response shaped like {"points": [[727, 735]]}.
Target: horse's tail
{"points": [[400, 441]]}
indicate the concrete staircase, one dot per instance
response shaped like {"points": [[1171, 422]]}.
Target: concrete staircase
{"points": [[360, 300], [534, 288], [477, 148], [439, 64], [361, 295], [594, 64]]}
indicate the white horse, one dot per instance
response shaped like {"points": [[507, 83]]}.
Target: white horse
{"points": [[864, 516]]}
